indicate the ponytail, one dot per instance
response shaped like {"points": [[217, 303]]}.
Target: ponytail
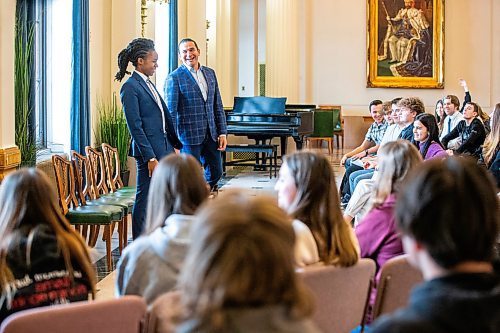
{"points": [[138, 48]]}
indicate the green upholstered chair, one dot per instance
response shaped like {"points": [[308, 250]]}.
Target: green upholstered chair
{"points": [[323, 128], [89, 195], [82, 216]]}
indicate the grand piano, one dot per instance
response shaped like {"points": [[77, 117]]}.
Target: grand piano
{"points": [[263, 118]]}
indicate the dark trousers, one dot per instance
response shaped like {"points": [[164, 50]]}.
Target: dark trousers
{"points": [[141, 196], [345, 192], [209, 157]]}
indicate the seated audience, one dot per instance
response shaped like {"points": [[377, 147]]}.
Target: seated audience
{"points": [[150, 265], [43, 261], [449, 234], [453, 117], [391, 116], [470, 131], [440, 114], [426, 134], [239, 275], [369, 146], [490, 156], [307, 191]]}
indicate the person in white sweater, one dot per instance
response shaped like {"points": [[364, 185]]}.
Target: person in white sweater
{"points": [[307, 191], [150, 265]]}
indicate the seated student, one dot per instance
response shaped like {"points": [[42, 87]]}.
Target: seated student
{"points": [[490, 156], [426, 135], [307, 191], [43, 261], [369, 146], [377, 234], [449, 234], [453, 117], [409, 109], [239, 275], [150, 265], [440, 114], [467, 99], [471, 132]]}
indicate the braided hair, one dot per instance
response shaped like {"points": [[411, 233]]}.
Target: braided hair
{"points": [[138, 48], [429, 121]]}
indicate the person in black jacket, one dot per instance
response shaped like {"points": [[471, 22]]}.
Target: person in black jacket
{"points": [[43, 261], [452, 243], [470, 130]]}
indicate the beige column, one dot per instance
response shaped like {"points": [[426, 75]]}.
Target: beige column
{"points": [[226, 48], [10, 156], [282, 49]]}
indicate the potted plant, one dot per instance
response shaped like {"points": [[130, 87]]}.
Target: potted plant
{"points": [[111, 128], [24, 136]]}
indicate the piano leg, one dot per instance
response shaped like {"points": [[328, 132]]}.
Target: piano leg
{"points": [[283, 143], [299, 141]]}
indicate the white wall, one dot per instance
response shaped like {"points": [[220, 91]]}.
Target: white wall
{"points": [[338, 55]]}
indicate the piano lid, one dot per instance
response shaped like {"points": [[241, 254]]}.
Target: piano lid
{"points": [[259, 105]]}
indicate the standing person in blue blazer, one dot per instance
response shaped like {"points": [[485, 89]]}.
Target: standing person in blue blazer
{"points": [[195, 105], [152, 131]]}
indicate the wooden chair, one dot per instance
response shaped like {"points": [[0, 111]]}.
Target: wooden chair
{"points": [[89, 195], [122, 315], [340, 294], [80, 215], [112, 172], [397, 278]]}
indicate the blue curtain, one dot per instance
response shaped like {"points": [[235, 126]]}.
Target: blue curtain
{"points": [[80, 106], [172, 41]]}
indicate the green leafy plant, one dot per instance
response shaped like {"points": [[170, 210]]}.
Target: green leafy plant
{"points": [[24, 137], [112, 128]]}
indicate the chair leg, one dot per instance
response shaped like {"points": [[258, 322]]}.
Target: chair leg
{"points": [[120, 234], [125, 231], [330, 145], [94, 233], [107, 237]]}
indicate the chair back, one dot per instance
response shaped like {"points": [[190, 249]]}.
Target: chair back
{"points": [[337, 120], [397, 278], [340, 294], [122, 315], [84, 178], [65, 179], [112, 164], [323, 123], [98, 172]]}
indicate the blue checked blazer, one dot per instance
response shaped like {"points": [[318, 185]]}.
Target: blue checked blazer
{"points": [[145, 122], [191, 115]]}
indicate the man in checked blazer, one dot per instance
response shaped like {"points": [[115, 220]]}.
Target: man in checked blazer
{"points": [[195, 105], [152, 131]]}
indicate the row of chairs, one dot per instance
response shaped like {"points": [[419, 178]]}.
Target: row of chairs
{"points": [[91, 195], [341, 296]]}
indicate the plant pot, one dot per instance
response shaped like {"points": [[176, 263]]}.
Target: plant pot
{"points": [[125, 175]]}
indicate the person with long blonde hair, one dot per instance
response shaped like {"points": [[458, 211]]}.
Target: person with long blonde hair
{"points": [[307, 191], [239, 275], [150, 265], [43, 261]]}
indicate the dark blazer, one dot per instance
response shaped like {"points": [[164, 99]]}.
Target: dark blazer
{"points": [[189, 110], [145, 122]]}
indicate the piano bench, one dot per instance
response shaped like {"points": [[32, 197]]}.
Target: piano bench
{"points": [[271, 152]]}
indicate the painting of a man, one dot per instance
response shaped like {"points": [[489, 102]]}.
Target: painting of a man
{"points": [[405, 39]]}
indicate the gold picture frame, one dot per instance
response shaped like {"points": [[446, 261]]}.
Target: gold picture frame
{"points": [[406, 51]]}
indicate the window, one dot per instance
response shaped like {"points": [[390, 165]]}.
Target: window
{"points": [[53, 43], [162, 43]]}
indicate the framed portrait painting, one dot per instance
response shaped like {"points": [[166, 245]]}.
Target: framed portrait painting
{"points": [[405, 43]]}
